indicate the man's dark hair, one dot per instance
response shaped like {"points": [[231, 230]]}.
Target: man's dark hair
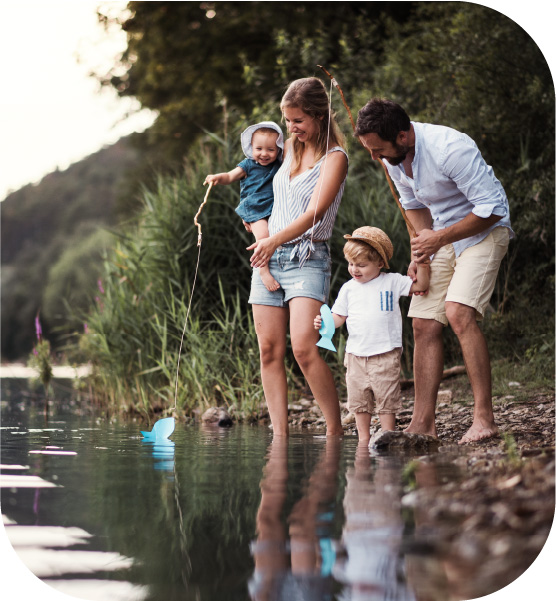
{"points": [[382, 117]]}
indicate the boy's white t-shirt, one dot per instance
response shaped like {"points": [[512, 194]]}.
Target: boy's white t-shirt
{"points": [[374, 319]]}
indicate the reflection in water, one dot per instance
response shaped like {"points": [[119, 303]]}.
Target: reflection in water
{"points": [[372, 567], [330, 521], [295, 564], [162, 452]]}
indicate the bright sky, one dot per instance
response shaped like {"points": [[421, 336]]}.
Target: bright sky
{"points": [[52, 113]]}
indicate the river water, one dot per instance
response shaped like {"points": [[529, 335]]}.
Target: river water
{"points": [[211, 514]]}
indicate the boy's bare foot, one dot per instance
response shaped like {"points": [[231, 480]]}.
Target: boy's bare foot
{"points": [[270, 283], [477, 433]]}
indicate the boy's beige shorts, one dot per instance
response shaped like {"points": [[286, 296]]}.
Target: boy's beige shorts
{"points": [[374, 381], [468, 279]]}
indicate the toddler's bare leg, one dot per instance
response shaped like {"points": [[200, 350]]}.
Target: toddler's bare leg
{"points": [[363, 423], [387, 421], [260, 230]]}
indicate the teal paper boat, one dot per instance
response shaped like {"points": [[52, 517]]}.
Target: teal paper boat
{"points": [[161, 430], [327, 329]]}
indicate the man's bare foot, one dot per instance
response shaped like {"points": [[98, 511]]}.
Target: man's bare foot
{"points": [[477, 433], [270, 283]]}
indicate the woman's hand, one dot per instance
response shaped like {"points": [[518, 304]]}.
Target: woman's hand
{"points": [[262, 251], [317, 322]]}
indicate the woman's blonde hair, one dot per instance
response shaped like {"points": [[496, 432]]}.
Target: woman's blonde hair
{"points": [[309, 95]]}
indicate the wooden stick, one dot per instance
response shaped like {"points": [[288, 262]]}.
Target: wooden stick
{"points": [[409, 225]]}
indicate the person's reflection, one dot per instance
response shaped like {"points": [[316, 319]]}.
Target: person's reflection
{"points": [[372, 568], [296, 566]]}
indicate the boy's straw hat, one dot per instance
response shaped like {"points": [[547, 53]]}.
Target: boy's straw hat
{"points": [[376, 238], [247, 136]]}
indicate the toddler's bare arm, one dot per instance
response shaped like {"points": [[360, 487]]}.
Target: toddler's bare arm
{"points": [[225, 178]]}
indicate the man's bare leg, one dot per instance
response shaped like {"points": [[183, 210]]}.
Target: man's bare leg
{"points": [[428, 364], [477, 363]]}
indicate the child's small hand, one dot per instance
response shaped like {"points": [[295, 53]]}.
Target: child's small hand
{"points": [[317, 322], [211, 178]]}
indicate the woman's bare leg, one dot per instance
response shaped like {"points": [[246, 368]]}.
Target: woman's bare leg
{"points": [[317, 373], [271, 327], [260, 230]]}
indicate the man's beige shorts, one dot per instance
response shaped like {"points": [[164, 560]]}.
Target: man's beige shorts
{"points": [[374, 379], [468, 280]]}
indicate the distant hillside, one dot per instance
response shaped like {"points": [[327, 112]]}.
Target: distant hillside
{"points": [[52, 234]]}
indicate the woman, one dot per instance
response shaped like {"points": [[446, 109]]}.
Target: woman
{"points": [[307, 192]]}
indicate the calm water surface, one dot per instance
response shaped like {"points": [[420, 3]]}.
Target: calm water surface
{"points": [[213, 514]]}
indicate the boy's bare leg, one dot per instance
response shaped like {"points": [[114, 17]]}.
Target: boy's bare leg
{"points": [[387, 421], [363, 423], [260, 230]]}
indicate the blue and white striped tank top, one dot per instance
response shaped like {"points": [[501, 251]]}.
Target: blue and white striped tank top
{"points": [[291, 199]]}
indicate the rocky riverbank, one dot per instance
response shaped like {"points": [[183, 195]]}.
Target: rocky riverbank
{"points": [[493, 521]]}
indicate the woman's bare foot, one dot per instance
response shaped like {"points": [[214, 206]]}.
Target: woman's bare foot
{"points": [[270, 283], [418, 428]]}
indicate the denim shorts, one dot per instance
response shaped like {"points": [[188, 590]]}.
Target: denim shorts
{"points": [[310, 281]]}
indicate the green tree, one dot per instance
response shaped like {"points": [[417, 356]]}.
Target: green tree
{"points": [[73, 280], [190, 61]]}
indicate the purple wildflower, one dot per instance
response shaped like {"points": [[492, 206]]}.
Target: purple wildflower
{"points": [[86, 328], [99, 283], [38, 328], [35, 352]]}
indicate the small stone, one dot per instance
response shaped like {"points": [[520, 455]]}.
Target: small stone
{"points": [[348, 419], [217, 416], [444, 396]]}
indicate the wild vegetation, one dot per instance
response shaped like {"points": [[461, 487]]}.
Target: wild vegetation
{"points": [[210, 69], [53, 235]]}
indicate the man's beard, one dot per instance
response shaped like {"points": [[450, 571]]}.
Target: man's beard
{"points": [[400, 158]]}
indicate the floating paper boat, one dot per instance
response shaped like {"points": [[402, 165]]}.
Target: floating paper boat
{"points": [[327, 329], [161, 430]]}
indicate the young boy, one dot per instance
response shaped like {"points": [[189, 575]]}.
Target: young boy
{"points": [[369, 305], [262, 144]]}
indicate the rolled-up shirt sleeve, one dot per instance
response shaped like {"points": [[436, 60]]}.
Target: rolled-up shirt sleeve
{"points": [[465, 166]]}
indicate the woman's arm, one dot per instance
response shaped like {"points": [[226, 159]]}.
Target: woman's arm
{"points": [[326, 189]]}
